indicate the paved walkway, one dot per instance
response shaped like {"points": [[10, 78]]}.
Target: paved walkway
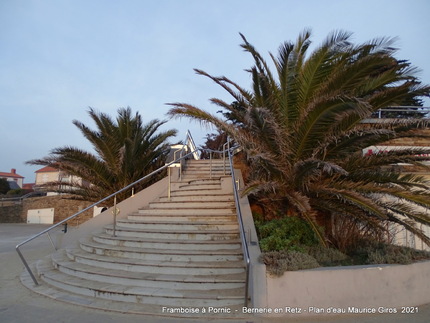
{"points": [[21, 305]]}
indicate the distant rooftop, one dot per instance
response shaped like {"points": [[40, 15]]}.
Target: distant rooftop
{"points": [[12, 174], [46, 169]]}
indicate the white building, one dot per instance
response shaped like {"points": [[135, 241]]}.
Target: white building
{"points": [[48, 174], [13, 177]]}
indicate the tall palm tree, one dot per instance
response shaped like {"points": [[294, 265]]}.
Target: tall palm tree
{"points": [[125, 151], [301, 130]]}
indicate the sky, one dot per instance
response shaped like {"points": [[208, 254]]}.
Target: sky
{"points": [[60, 57]]}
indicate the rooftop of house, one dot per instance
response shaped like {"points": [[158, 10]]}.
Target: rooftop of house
{"points": [[46, 169], [12, 174], [28, 186]]}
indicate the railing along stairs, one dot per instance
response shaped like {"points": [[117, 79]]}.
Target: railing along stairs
{"points": [[180, 154]]}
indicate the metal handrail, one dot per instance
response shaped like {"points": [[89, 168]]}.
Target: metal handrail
{"points": [[19, 199], [407, 109], [82, 211], [244, 243], [245, 249], [192, 145]]}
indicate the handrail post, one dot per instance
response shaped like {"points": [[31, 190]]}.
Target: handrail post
{"points": [[52, 242], [114, 217], [210, 163], [170, 184], [180, 166], [26, 266], [223, 158]]}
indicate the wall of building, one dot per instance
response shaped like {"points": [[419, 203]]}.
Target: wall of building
{"points": [[417, 141], [45, 177], [62, 204]]}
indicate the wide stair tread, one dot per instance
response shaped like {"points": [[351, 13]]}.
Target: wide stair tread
{"points": [[167, 231], [77, 253], [173, 251], [192, 205], [197, 225], [192, 197], [168, 241], [62, 260], [89, 287]]}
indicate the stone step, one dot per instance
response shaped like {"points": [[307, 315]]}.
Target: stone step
{"points": [[190, 197], [186, 177], [217, 235], [208, 218], [199, 187], [214, 161], [167, 244], [194, 212], [177, 226], [151, 267], [160, 254], [192, 205], [137, 294], [196, 192], [206, 171], [154, 280], [206, 166], [198, 181]]}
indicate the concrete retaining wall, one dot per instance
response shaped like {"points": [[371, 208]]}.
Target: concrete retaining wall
{"points": [[63, 207], [372, 288], [11, 214]]}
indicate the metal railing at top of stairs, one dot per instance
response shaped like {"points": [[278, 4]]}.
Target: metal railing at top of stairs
{"points": [[64, 222], [192, 145]]}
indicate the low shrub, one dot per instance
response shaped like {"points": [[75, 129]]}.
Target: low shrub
{"points": [[290, 244], [288, 233], [278, 262], [371, 252], [327, 256]]}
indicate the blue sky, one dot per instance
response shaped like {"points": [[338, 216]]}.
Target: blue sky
{"points": [[59, 57]]}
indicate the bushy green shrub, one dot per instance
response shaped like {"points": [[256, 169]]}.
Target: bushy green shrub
{"points": [[17, 191], [4, 186], [278, 262], [382, 253], [373, 252], [327, 256], [289, 244], [289, 233]]}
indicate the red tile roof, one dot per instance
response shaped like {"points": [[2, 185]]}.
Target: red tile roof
{"points": [[28, 186], [46, 169], [11, 174]]}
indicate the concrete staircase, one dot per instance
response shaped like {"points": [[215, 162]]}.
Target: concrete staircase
{"points": [[183, 251]]}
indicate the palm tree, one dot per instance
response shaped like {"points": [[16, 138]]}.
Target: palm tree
{"points": [[301, 131], [125, 151]]}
